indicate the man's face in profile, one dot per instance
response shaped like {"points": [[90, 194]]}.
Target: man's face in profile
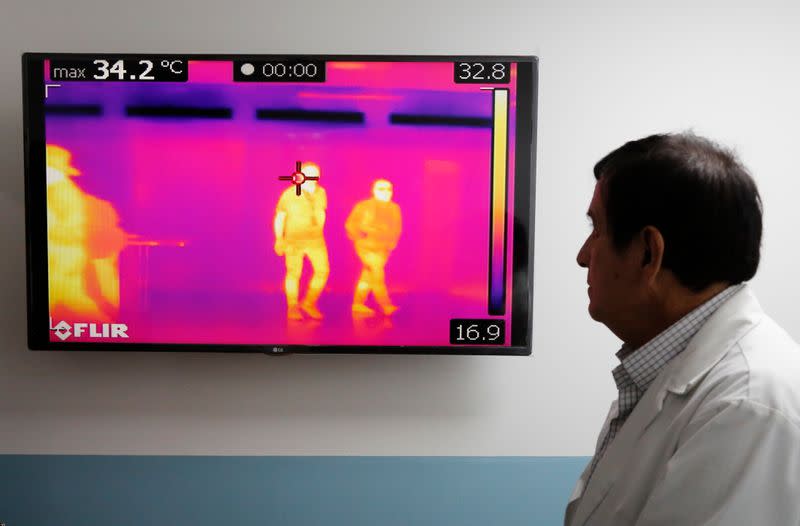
{"points": [[612, 276], [310, 170]]}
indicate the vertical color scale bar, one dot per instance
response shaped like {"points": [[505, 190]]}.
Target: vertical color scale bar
{"points": [[499, 204]]}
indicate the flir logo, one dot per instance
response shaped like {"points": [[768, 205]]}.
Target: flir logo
{"points": [[66, 330]]}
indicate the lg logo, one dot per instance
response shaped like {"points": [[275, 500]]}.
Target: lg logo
{"points": [[66, 330]]}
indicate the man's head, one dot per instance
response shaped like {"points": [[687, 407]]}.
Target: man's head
{"points": [[310, 170], [382, 190], [59, 164], [675, 218]]}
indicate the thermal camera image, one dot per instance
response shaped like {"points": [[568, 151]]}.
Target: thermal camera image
{"points": [[368, 209]]}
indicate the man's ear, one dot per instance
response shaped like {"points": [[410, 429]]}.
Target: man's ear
{"points": [[653, 244]]}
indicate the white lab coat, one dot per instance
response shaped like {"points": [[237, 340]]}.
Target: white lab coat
{"points": [[715, 440]]}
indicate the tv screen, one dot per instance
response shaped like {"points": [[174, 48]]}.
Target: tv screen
{"points": [[279, 204]]}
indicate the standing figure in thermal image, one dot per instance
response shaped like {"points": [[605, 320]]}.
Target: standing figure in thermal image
{"points": [[374, 226], [298, 224], [83, 245]]}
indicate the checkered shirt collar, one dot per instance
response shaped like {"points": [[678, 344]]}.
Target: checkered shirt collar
{"points": [[643, 365]]}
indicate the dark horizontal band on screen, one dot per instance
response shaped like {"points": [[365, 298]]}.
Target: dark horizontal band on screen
{"points": [[349, 117], [88, 110], [184, 112], [439, 120]]}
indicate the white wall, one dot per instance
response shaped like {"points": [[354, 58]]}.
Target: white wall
{"points": [[607, 74]]}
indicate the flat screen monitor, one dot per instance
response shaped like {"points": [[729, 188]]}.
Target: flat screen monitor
{"points": [[280, 203]]}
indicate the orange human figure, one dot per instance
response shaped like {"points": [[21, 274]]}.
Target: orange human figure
{"points": [[83, 244], [374, 225], [298, 225]]}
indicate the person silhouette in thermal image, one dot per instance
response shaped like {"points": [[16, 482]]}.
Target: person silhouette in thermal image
{"points": [[374, 225], [298, 224], [83, 245]]}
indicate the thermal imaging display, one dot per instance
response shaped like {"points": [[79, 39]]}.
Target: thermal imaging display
{"points": [[280, 203]]}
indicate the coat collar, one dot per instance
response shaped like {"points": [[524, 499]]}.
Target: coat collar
{"points": [[737, 316]]}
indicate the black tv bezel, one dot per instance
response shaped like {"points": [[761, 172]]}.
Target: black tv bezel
{"points": [[38, 319]]}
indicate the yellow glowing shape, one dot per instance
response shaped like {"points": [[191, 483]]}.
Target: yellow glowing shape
{"points": [[374, 225], [60, 159], [298, 226], [382, 190], [310, 169], [83, 241], [347, 65]]}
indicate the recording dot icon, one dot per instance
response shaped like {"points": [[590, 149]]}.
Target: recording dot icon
{"points": [[248, 69]]}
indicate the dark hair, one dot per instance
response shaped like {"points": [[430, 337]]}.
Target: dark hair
{"points": [[697, 194]]}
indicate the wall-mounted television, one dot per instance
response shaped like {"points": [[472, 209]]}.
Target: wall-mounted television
{"points": [[280, 203]]}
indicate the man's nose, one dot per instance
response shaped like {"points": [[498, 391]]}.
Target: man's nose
{"points": [[583, 255]]}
